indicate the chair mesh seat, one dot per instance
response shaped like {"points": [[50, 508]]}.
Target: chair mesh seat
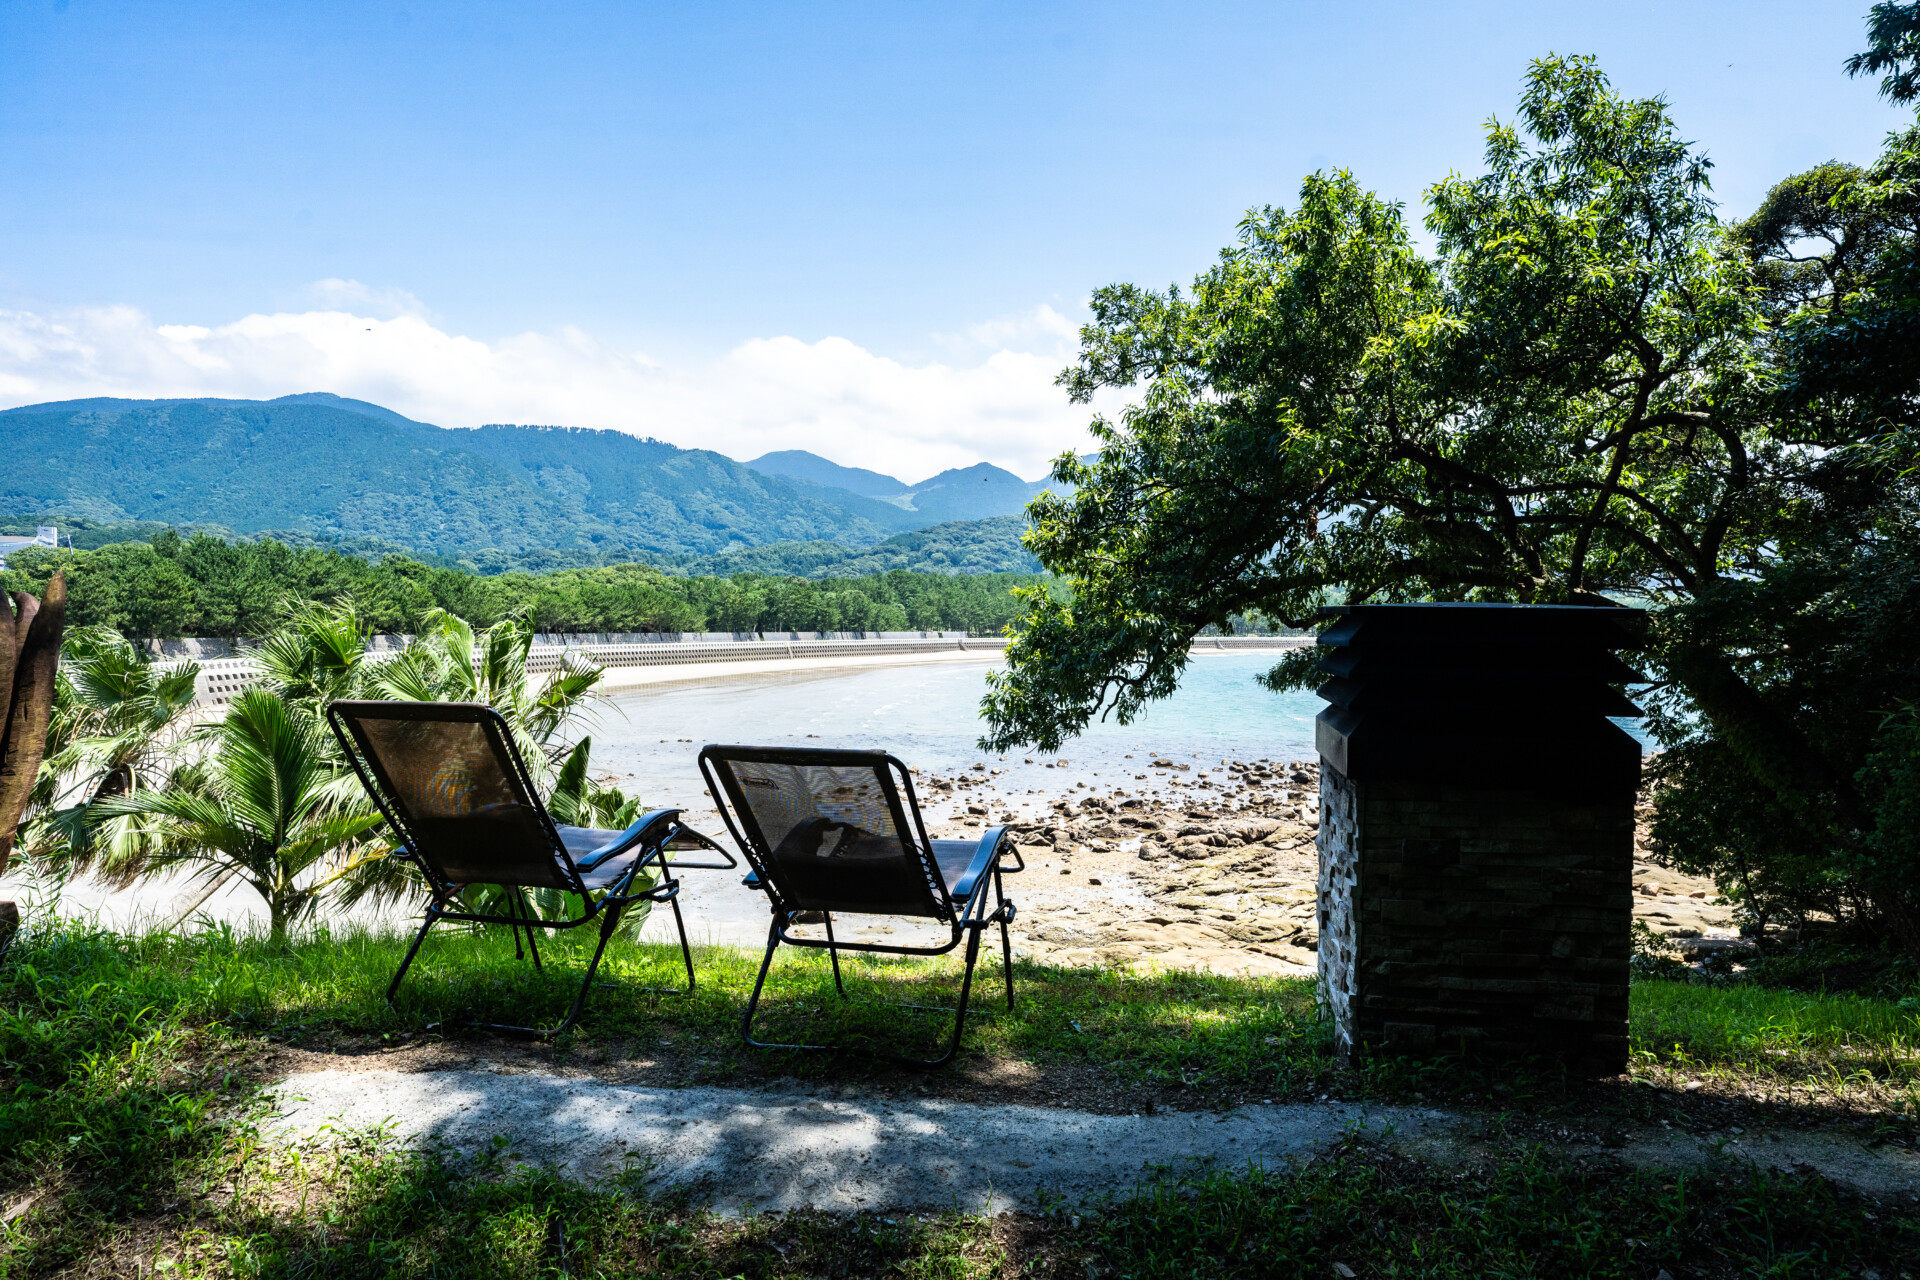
{"points": [[467, 814], [817, 822]]}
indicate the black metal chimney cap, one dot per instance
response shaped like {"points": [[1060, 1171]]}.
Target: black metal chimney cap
{"points": [[1362, 626], [1456, 692]]}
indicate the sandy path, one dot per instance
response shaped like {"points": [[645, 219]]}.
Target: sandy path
{"points": [[744, 1149]]}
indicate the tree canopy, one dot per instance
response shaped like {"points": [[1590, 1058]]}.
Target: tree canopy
{"points": [[169, 586], [1593, 390]]}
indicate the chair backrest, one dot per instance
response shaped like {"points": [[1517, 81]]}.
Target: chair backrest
{"points": [[450, 781], [829, 830]]}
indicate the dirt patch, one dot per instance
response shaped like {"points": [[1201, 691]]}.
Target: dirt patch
{"points": [[974, 1076]]}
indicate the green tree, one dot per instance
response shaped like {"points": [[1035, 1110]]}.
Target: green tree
{"points": [[1893, 50], [157, 601], [1555, 409], [1822, 628], [451, 662], [1594, 390]]}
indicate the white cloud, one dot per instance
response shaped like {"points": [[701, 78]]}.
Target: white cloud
{"points": [[832, 396], [1040, 327], [340, 295]]}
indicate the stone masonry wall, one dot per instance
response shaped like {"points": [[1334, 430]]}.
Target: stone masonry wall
{"points": [[1494, 921], [1339, 847]]}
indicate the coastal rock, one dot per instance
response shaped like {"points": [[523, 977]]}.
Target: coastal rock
{"points": [[1227, 884]]}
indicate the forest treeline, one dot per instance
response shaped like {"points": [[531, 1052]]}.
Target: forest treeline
{"points": [[991, 545], [207, 586]]}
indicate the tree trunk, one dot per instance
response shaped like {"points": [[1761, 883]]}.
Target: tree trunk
{"points": [[30, 632], [1768, 743]]}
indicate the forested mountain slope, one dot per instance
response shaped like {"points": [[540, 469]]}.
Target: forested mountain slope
{"points": [[798, 464], [342, 468]]}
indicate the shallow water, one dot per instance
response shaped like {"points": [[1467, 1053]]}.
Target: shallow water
{"points": [[929, 716]]}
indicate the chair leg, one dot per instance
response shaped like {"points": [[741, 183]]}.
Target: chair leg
{"points": [[1006, 943], [686, 947], [607, 927], [753, 1001], [432, 919], [959, 1020], [833, 954], [526, 914], [686, 950], [960, 1015], [513, 914]]}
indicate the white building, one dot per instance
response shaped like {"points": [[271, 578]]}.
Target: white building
{"points": [[45, 536]]}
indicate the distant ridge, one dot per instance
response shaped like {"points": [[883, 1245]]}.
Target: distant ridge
{"points": [[978, 492], [325, 468], [798, 464], [331, 468]]}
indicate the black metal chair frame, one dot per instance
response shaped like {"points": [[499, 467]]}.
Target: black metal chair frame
{"points": [[966, 919], [652, 833]]}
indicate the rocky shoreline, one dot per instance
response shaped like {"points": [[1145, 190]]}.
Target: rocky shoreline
{"points": [[1203, 866]]}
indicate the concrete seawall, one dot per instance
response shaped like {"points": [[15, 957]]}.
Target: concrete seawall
{"points": [[629, 663]]}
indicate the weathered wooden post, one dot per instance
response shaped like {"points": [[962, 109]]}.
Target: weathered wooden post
{"points": [[30, 633], [1476, 830]]}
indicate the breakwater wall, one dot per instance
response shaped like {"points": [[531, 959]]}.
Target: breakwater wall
{"points": [[224, 674]]}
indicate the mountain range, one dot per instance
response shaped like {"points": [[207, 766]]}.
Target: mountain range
{"points": [[323, 467], [964, 493]]}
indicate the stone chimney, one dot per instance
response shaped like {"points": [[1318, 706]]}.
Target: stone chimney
{"points": [[1476, 830]]}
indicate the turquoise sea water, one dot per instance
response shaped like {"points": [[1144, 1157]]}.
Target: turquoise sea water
{"points": [[929, 716]]}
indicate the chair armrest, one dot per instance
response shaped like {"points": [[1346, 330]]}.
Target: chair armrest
{"points": [[985, 855], [703, 842], [627, 839]]}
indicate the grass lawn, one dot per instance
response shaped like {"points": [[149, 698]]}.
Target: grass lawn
{"points": [[127, 1066]]}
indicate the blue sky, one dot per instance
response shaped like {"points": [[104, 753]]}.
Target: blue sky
{"points": [[753, 226]]}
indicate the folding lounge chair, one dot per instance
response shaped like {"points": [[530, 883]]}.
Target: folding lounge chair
{"points": [[840, 831], [456, 792]]}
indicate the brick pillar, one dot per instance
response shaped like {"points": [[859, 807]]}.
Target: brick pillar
{"points": [[1476, 830]]}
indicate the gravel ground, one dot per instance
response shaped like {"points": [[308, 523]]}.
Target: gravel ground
{"points": [[843, 1149]]}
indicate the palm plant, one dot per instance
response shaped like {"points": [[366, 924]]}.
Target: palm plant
{"points": [[263, 794], [266, 802], [116, 719], [450, 662], [317, 654]]}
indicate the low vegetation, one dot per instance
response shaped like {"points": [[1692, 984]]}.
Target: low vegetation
{"points": [[129, 1133]]}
